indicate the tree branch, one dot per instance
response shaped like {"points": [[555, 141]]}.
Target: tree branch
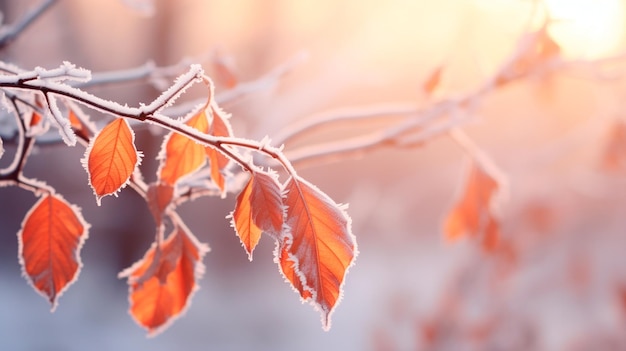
{"points": [[10, 33]]}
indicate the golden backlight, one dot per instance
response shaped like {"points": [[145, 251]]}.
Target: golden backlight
{"points": [[587, 28]]}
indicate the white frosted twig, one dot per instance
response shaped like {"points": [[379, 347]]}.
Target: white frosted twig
{"points": [[349, 115], [194, 74], [66, 71], [477, 154], [62, 123], [265, 82], [428, 122], [149, 113], [360, 146], [393, 135], [9, 33], [148, 70], [24, 81], [118, 76]]}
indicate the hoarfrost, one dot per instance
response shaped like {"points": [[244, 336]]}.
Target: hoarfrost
{"points": [[170, 95], [65, 128], [67, 71]]}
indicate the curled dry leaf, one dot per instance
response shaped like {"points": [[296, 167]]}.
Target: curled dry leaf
{"points": [[319, 248], [180, 155], [473, 215], [111, 158], [259, 208], [161, 290], [218, 162], [50, 241]]}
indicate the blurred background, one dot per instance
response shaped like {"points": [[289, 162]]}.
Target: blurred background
{"points": [[561, 286]]}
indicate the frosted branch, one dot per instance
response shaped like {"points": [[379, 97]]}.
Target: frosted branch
{"points": [[168, 97], [532, 57], [62, 123], [348, 115], [10, 33], [148, 70], [265, 82]]}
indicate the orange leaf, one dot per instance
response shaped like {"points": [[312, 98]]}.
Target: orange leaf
{"points": [[34, 121], [111, 158], [259, 208], [287, 267], [224, 72], [472, 212], [614, 156], [159, 196], [217, 161], [35, 117], [79, 127], [491, 239], [162, 283], [50, 241], [180, 155], [433, 81], [319, 246]]}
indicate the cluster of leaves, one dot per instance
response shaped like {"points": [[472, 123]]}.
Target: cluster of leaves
{"points": [[201, 156], [314, 243]]}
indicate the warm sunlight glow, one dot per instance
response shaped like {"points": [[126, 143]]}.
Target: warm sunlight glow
{"points": [[587, 28]]}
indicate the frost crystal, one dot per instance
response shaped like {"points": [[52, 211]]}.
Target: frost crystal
{"points": [[65, 128], [67, 71], [170, 95]]}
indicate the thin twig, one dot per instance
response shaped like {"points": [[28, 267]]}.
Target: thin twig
{"points": [[150, 112], [12, 174], [323, 120], [478, 155], [10, 33]]}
